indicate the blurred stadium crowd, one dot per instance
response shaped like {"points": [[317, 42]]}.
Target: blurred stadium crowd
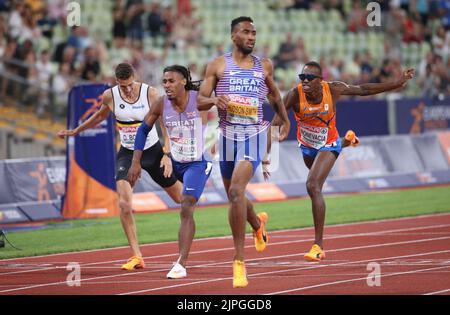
{"points": [[41, 57]]}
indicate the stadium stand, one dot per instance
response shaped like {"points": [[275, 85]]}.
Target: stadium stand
{"points": [[41, 57]]}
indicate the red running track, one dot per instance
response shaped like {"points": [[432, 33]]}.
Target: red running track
{"points": [[412, 256]]}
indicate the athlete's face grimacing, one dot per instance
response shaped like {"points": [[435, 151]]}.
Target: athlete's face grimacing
{"points": [[244, 37], [311, 80], [126, 86], [173, 83]]}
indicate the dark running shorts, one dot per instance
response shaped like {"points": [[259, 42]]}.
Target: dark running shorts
{"points": [[150, 162]]}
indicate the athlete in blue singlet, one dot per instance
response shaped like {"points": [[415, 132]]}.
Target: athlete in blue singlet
{"points": [[242, 83], [186, 129]]}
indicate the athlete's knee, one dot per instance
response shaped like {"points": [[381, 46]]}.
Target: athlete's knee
{"points": [[313, 187], [125, 206], [235, 193], [187, 207]]}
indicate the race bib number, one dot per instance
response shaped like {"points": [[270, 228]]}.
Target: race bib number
{"points": [[313, 136], [184, 149], [242, 110], [128, 135]]}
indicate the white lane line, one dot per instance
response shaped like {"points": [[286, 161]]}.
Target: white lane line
{"points": [[437, 292], [248, 246], [305, 268], [219, 263], [225, 262], [410, 218], [353, 280]]}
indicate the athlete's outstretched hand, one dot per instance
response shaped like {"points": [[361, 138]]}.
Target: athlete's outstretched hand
{"points": [[67, 133], [134, 173], [222, 101], [407, 75], [166, 163], [284, 130]]}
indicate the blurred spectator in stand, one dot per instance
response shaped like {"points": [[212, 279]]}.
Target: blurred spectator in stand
{"points": [[353, 69], [422, 68], [15, 22], [36, 6], [184, 8], [2, 67], [263, 52], [155, 20], [429, 82], [29, 30], [5, 5], [336, 66], [3, 27], [193, 69], [412, 29], [286, 53], [168, 17], [279, 4], [74, 41], [301, 55], [219, 51], [68, 57], [137, 55], [44, 76], [301, 4], [441, 71], [61, 85], [393, 32], [421, 8], [335, 5], [134, 11], [367, 62], [46, 23], [447, 90], [186, 33], [30, 91], [8, 67], [152, 67], [119, 52], [85, 40], [441, 42], [119, 27], [44, 67], [90, 67], [22, 54], [56, 9], [357, 18], [326, 73]]}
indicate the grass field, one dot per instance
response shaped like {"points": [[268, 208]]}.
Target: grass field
{"points": [[75, 235]]}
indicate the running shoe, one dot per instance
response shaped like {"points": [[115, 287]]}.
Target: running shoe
{"points": [[177, 272], [261, 238], [134, 262], [239, 274], [315, 254], [352, 138]]}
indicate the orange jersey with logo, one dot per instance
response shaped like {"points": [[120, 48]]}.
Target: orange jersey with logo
{"points": [[316, 124]]}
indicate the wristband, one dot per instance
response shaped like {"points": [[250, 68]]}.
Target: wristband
{"points": [[141, 136]]}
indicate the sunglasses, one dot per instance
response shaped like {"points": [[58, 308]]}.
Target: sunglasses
{"points": [[308, 77]]}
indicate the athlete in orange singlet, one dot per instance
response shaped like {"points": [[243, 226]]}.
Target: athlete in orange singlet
{"points": [[314, 105]]}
